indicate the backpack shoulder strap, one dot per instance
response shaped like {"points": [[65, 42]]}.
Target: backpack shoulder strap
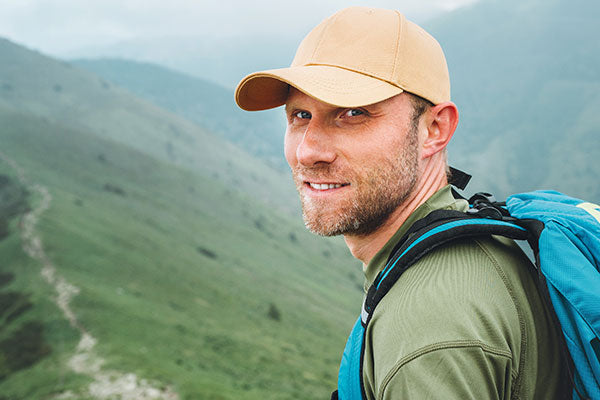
{"points": [[437, 229]]}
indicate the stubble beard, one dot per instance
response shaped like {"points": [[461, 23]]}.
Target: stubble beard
{"points": [[378, 192]]}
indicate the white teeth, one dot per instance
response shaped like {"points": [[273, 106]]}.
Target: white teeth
{"points": [[325, 186]]}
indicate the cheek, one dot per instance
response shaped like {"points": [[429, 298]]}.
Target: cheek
{"points": [[289, 147]]}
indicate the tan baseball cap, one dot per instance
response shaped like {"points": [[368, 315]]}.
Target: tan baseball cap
{"points": [[356, 57]]}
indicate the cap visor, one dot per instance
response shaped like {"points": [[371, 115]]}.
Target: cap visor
{"points": [[333, 85]]}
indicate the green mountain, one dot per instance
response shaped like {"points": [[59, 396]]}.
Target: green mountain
{"points": [[132, 269], [526, 79], [203, 102]]}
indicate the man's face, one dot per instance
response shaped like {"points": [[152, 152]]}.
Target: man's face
{"points": [[352, 167]]}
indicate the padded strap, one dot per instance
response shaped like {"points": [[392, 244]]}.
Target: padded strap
{"points": [[420, 242]]}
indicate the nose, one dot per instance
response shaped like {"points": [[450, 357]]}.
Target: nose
{"points": [[315, 147]]}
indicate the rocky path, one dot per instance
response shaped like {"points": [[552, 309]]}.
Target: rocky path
{"points": [[107, 384]]}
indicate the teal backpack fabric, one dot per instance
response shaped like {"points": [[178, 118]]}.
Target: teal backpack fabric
{"points": [[564, 234], [569, 261]]}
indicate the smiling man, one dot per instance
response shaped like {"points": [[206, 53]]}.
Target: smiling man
{"points": [[369, 116], [357, 173]]}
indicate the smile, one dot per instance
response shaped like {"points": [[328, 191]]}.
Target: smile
{"points": [[326, 186]]}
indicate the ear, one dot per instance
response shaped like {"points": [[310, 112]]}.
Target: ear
{"points": [[441, 121]]}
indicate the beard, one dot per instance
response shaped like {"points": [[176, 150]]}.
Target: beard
{"points": [[377, 191]]}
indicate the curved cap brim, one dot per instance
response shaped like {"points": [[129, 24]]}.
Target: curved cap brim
{"points": [[333, 85]]}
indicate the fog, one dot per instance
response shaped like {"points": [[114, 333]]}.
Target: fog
{"points": [[66, 27]]}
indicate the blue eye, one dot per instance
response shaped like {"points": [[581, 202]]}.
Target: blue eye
{"points": [[303, 115], [354, 112]]}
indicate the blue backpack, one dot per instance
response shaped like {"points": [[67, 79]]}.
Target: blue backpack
{"points": [[564, 234]]}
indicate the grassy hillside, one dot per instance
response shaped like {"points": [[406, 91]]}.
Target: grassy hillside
{"points": [[201, 101], [526, 79], [60, 92], [182, 280]]}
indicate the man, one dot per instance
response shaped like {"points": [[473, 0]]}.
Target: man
{"points": [[369, 117]]}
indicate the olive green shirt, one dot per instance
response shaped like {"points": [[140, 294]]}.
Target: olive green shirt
{"points": [[464, 322]]}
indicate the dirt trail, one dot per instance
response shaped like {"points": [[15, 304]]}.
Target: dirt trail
{"points": [[107, 384]]}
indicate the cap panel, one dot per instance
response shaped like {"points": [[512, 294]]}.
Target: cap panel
{"points": [[360, 39], [421, 66], [310, 43]]}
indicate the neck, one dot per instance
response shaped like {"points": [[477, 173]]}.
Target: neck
{"points": [[432, 179]]}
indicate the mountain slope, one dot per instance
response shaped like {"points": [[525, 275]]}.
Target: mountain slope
{"points": [[200, 101], [526, 79], [61, 92]]}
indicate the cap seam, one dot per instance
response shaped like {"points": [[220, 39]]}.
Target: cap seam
{"points": [[358, 71], [398, 39]]}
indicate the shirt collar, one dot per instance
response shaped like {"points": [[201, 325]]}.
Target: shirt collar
{"points": [[441, 200]]}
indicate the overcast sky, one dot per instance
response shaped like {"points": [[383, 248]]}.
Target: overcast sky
{"points": [[60, 27]]}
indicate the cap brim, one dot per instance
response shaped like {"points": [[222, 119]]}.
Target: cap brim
{"points": [[333, 85]]}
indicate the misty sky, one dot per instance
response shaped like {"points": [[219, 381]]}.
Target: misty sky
{"points": [[61, 27]]}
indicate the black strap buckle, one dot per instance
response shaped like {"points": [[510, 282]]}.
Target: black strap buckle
{"points": [[485, 205]]}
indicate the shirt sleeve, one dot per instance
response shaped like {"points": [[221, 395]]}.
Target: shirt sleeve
{"points": [[453, 370]]}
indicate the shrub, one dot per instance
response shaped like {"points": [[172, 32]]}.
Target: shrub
{"points": [[274, 313], [109, 187], [206, 252], [23, 349]]}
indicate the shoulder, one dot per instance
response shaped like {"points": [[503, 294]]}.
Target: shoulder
{"points": [[464, 296], [476, 275]]}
